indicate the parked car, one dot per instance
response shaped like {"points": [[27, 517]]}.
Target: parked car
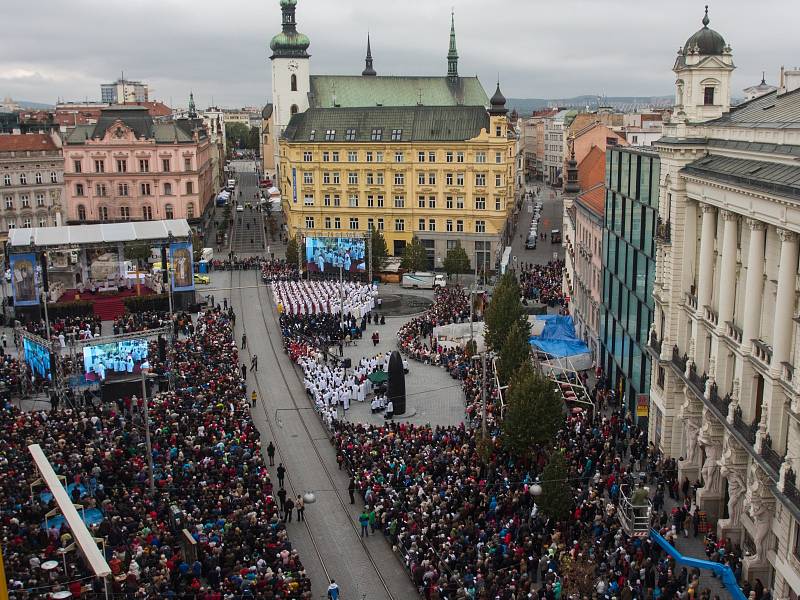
{"points": [[530, 243], [204, 279], [555, 236], [239, 208]]}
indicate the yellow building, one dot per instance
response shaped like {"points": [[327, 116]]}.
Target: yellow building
{"points": [[430, 157]]}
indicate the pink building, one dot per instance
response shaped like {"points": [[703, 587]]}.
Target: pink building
{"points": [[588, 285], [129, 167]]}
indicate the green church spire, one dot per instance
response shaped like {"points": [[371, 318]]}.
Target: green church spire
{"points": [[452, 53]]}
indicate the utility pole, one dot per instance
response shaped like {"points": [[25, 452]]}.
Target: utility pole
{"points": [[369, 254], [341, 297], [483, 394], [472, 303], [150, 482]]}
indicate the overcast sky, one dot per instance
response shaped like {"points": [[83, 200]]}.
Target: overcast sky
{"points": [[553, 49]]}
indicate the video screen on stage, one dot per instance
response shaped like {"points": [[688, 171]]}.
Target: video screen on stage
{"points": [[328, 254], [37, 357], [115, 360]]}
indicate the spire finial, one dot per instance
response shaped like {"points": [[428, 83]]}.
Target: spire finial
{"points": [[368, 71], [763, 78], [192, 109], [452, 53], [706, 20]]}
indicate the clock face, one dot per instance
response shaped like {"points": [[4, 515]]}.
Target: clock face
{"points": [[293, 65]]}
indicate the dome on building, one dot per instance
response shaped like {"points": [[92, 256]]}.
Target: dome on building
{"points": [[288, 3], [498, 102], [706, 41], [291, 43]]}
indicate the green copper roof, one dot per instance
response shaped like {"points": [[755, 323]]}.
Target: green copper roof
{"points": [[290, 42], [355, 90], [416, 123]]}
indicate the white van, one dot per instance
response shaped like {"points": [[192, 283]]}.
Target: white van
{"points": [[423, 280], [231, 184]]}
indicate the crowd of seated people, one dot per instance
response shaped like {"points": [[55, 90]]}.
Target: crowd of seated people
{"points": [[141, 321], [278, 270], [65, 329]]}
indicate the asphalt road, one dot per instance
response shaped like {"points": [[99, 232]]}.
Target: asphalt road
{"points": [[248, 227], [551, 218]]}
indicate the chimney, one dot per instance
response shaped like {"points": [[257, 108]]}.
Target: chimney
{"points": [[791, 80]]}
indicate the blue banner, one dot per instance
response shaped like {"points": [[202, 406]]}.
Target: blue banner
{"points": [[294, 185], [24, 279], [180, 256]]}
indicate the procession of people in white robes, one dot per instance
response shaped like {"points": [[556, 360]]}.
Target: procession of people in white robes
{"points": [[314, 297]]}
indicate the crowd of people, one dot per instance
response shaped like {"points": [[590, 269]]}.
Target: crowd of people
{"points": [[141, 321], [236, 263], [65, 329], [209, 479], [313, 297], [278, 270], [543, 283]]}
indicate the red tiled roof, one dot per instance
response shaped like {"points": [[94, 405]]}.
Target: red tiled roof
{"points": [[26, 141], [594, 199], [592, 169]]}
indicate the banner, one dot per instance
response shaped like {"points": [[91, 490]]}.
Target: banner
{"points": [[24, 281], [180, 256], [294, 185], [642, 405]]}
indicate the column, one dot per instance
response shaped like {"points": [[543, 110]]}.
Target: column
{"points": [[751, 324], [727, 276], [784, 301], [705, 273]]}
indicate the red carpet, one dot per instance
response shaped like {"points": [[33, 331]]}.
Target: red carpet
{"points": [[107, 306]]}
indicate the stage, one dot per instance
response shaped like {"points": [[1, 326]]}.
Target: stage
{"points": [[107, 305]]}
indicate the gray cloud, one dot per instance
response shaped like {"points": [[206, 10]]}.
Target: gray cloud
{"points": [[220, 50]]}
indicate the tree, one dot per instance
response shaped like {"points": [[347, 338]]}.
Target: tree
{"points": [[534, 413], [380, 250], [456, 261], [137, 253], [516, 351], [504, 309], [254, 139], [237, 135], [415, 257], [556, 499], [293, 251]]}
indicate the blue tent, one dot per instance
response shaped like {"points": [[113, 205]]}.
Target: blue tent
{"points": [[558, 337]]}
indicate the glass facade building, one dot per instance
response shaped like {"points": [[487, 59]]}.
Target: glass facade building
{"points": [[632, 183]]}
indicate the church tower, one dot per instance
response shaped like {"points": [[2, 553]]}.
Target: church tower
{"points": [[703, 71], [291, 77], [452, 53]]}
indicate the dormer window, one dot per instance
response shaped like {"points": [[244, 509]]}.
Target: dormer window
{"points": [[330, 135], [350, 135], [312, 135], [708, 96], [397, 135], [377, 134]]}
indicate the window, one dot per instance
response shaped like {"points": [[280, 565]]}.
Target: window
{"points": [[308, 200], [352, 201], [431, 224], [377, 134], [370, 201], [26, 222], [326, 178], [76, 166], [399, 202], [379, 178], [190, 210], [448, 179], [326, 157], [482, 252], [307, 156], [38, 178], [431, 201], [498, 157], [498, 180], [330, 135], [460, 203], [125, 212], [99, 166], [326, 200], [335, 157], [146, 189], [398, 157], [480, 157], [370, 223], [370, 179], [190, 187], [294, 82], [448, 156], [397, 135], [432, 156], [379, 156], [337, 200], [480, 226], [81, 212], [79, 191], [312, 134], [369, 156], [480, 179], [103, 213], [420, 157], [480, 203], [350, 135], [708, 96], [353, 222], [309, 222], [7, 179], [498, 131], [399, 225], [421, 178], [293, 110], [337, 223], [122, 189], [460, 157], [352, 178], [39, 199], [459, 225], [25, 200], [431, 178], [448, 225], [421, 202], [187, 164], [380, 223], [9, 202], [422, 224], [12, 223], [497, 203], [352, 156], [380, 201], [147, 213], [308, 178], [449, 202], [460, 179], [100, 190], [144, 165], [23, 179], [336, 178], [327, 222], [399, 178], [165, 165]]}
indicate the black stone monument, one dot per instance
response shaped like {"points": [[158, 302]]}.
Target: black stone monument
{"points": [[397, 383]]}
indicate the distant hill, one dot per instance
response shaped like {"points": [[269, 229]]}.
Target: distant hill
{"points": [[34, 105], [528, 105]]}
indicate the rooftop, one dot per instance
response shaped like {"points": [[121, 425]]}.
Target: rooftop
{"points": [[594, 199], [592, 169], [33, 142], [139, 119], [770, 177], [771, 111], [104, 233]]}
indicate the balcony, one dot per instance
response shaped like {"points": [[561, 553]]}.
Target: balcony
{"points": [[790, 487], [710, 315], [733, 332], [747, 430], [678, 360], [698, 381], [663, 231], [655, 343], [722, 403], [773, 459], [787, 372], [691, 301], [762, 351]]}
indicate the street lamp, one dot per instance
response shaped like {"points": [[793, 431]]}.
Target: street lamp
{"points": [[535, 489]]}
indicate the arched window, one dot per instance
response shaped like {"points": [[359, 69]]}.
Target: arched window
{"points": [[168, 211], [293, 110], [294, 82], [81, 212], [147, 213], [190, 210]]}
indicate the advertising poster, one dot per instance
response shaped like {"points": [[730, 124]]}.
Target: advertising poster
{"points": [[294, 185], [328, 254], [180, 255], [24, 284], [642, 405]]}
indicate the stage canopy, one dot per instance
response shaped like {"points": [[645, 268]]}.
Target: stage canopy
{"points": [[76, 236]]}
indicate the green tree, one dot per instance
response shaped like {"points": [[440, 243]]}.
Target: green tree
{"points": [[293, 251], [415, 257], [556, 499], [534, 412], [237, 136], [380, 250], [254, 139], [456, 262], [504, 309], [516, 351], [137, 253]]}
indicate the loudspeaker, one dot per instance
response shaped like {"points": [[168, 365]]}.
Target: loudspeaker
{"points": [[162, 349], [347, 363]]}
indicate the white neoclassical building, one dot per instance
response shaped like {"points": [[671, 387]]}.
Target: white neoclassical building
{"points": [[725, 339]]}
